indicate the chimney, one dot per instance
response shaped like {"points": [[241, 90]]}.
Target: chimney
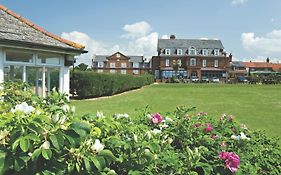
{"points": [[172, 37], [267, 60]]}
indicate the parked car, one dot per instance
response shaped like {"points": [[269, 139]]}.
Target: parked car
{"points": [[194, 79], [205, 79], [242, 79], [215, 80]]}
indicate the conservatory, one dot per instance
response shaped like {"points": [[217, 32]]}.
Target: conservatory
{"points": [[31, 54]]}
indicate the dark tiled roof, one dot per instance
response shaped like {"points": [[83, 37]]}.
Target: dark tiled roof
{"points": [[13, 27], [237, 63], [100, 58], [187, 43]]}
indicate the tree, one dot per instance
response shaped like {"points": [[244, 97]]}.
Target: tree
{"points": [[82, 67]]}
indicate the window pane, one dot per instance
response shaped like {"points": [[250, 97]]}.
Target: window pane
{"points": [[12, 72], [17, 56], [49, 59]]}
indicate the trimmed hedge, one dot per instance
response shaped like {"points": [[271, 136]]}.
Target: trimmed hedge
{"points": [[89, 84]]}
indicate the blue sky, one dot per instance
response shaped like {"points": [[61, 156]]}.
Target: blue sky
{"points": [[249, 29]]}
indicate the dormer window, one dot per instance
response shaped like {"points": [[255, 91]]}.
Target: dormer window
{"points": [[192, 51], [179, 51], [205, 52], [216, 52], [167, 51], [118, 55]]}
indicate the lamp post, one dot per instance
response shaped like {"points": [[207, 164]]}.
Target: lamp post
{"points": [[72, 78]]}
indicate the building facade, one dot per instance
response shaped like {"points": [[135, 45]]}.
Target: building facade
{"points": [[31, 54], [190, 58], [120, 64]]}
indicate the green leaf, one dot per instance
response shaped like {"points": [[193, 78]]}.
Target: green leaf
{"points": [[81, 125], [35, 154], [87, 165], [15, 144], [24, 144], [19, 164], [99, 162], [32, 137], [107, 154], [134, 172], [47, 154], [206, 167], [2, 161], [55, 142]]}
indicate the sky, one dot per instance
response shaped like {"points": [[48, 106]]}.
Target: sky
{"points": [[249, 29]]}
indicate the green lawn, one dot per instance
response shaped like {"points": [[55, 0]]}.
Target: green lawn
{"points": [[258, 106]]}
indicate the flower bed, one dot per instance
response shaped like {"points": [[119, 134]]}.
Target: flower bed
{"points": [[43, 136]]}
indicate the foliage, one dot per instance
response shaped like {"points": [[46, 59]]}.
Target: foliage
{"points": [[89, 84], [82, 67], [42, 136]]}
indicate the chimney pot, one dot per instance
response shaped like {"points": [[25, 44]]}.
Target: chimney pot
{"points": [[172, 37]]}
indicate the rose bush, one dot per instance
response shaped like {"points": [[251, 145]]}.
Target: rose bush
{"points": [[43, 136]]}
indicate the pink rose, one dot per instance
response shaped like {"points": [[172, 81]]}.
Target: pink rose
{"points": [[231, 160], [156, 118], [209, 127]]}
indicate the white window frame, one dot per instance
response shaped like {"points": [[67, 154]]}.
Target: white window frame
{"points": [[167, 62], [100, 70], [100, 64], [136, 72], [47, 64], [18, 62], [136, 64], [193, 60], [123, 65], [112, 71], [167, 51], [216, 63], [216, 52], [190, 50], [204, 63], [123, 71], [118, 55], [205, 52], [179, 51], [112, 65]]}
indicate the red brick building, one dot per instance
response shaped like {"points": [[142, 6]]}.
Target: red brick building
{"points": [[190, 58], [120, 64]]}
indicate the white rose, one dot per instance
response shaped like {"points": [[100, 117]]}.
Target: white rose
{"points": [[97, 146], [55, 118], [243, 136], [100, 114], [23, 107], [46, 145], [65, 108], [156, 131]]}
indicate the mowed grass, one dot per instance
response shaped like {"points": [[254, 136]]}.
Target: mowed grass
{"points": [[257, 106]]}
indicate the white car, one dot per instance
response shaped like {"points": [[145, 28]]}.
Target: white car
{"points": [[215, 80], [194, 79]]}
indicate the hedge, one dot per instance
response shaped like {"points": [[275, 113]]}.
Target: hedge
{"points": [[88, 84]]}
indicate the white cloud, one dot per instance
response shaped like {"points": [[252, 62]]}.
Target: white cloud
{"points": [[165, 37], [268, 44], [237, 2], [91, 46], [139, 40], [136, 30]]}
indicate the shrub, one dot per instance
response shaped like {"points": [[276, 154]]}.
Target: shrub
{"points": [[88, 84], [42, 136]]}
